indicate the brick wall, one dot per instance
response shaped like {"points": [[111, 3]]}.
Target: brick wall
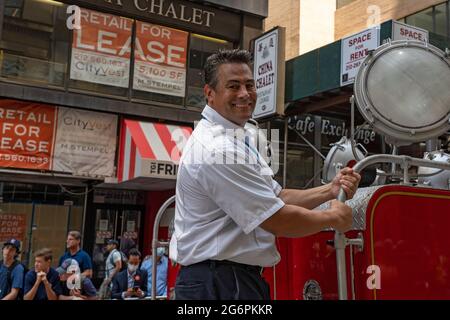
{"points": [[354, 17], [286, 13]]}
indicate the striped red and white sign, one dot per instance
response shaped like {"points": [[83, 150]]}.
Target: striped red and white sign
{"points": [[143, 141]]}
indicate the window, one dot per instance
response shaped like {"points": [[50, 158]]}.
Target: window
{"points": [[441, 20], [300, 167], [37, 48], [40, 216], [435, 19], [422, 19], [342, 3], [13, 8], [201, 48], [34, 44]]}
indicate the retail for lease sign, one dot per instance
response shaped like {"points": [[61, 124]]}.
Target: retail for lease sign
{"points": [[101, 49], [12, 226], [26, 134], [354, 50], [160, 59], [402, 31], [85, 142]]}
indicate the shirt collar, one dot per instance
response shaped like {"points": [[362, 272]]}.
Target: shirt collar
{"points": [[214, 117], [73, 255]]}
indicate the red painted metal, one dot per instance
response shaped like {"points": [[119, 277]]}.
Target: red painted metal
{"points": [[406, 236], [410, 245]]}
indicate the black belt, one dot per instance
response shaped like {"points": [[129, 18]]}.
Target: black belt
{"points": [[213, 263]]}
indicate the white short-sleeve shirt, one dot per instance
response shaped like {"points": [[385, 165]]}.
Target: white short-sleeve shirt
{"points": [[220, 202]]}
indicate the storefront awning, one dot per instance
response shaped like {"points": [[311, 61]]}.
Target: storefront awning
{"points": [[149, 154]]}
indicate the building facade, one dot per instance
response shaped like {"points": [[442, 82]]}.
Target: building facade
{"points": [[318, 92], [92, 94], [313, 86]]}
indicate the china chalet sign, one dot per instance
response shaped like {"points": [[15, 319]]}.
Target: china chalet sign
{"points": [[176, 14], [170, 9]]}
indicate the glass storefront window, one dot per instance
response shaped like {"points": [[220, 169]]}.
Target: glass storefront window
{"points": [[40, 216], [34, 44], [300, 167], [200, 48]]}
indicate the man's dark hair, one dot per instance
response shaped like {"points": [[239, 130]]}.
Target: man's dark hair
{"points": [[223, 57], [134, 252], [75, 234], [46, 253]]}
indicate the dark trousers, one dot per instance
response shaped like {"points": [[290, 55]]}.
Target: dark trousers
{"points": [[221, 280]]}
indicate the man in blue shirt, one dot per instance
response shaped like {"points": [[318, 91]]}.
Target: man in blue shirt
{"points": [[11, 271], [42, 283], [162, 263], [74, 252]]}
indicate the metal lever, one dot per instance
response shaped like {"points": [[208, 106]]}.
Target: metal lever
{"points": [[357, 242]]}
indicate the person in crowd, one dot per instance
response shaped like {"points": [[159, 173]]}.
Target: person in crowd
{"points": [[162, 264], [113, 265], [42, 283], [132, 282], [74, 251], [12, 272], [75, 286]]}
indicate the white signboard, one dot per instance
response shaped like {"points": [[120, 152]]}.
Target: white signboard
{"points": [[266, 71], [159, 169], [401, 31], [354, 50], [103, 225], [85, 142], [131, 226]]}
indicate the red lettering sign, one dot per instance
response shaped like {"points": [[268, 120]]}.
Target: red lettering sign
{"points": [[13, 226], [26, 134], [360, 39]]}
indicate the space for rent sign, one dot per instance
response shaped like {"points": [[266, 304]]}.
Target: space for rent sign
{"points": [[101, 49], [160, 59], [402, 31], [354, 50], [27, 134]]}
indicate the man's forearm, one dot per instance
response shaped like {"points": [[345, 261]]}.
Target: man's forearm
{"points": [[113, 273], [87, 273], [293, 221], [12, 295], [30, 294], [51, 295], [309, 199]]}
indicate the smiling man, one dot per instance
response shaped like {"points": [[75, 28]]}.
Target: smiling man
{"points": [[227, 211]]}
